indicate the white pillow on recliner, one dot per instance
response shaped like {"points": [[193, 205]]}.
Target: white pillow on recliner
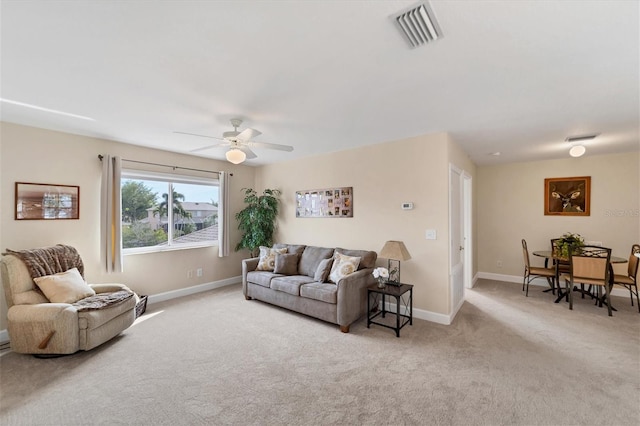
{"points": [[64, 287]]}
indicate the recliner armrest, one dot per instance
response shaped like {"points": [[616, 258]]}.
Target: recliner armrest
{"points": [[43, 328], [108, 287]]}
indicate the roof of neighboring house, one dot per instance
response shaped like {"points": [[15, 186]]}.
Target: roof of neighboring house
{"points": [[193, 206], [206, 234]]}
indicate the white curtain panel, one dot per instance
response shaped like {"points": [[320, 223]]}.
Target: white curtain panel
{"points": [[111, 214], [223, 215]]}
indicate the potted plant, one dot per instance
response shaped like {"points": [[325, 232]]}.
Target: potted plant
{"points": [[257, 221], [568, 243]]}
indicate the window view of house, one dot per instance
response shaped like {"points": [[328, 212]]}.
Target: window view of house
{"points": [[160, 213]]}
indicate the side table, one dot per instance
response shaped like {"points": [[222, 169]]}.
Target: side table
{"points": [[374, 293]]}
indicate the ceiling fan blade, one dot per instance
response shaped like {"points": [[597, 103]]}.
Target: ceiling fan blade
{"points": [[201, 136], [270, 146], [204, 148], [247, 134], [246, 150]]}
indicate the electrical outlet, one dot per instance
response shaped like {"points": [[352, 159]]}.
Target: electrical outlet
{"points": [[199, 272]]}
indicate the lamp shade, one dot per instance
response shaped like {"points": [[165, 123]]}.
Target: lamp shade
{"points": [[395, 250], [236, 156]]}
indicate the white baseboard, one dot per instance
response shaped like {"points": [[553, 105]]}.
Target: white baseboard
{"points": [[423, 314], [542, 282], [173, 294], [4, 336]]}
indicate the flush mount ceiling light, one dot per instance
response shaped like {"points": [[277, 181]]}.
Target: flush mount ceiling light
{"points": [[235, 156], [418, 25], [577, 149]]}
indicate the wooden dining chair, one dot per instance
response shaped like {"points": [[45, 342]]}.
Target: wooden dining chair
{"points": [[630, 281], [590, 265], [532, 272]]}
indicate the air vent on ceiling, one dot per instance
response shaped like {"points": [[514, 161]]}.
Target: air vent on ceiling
{"points": [[581, 138], [418, 25]]}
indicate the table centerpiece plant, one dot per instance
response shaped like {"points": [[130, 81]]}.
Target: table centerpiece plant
{"points": [[382, 275], [567, 244]]}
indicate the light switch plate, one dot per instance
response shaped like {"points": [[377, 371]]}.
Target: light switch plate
{"points": [[431, 234]]}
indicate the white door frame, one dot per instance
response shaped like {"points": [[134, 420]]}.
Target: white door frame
{"points": [[465, 204]]}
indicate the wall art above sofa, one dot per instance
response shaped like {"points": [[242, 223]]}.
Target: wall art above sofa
{"points": [[328, 202]]}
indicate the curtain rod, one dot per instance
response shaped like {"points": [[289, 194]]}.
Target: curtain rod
{"points": [[100, 156]]}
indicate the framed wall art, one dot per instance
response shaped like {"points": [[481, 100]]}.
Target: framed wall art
{"points": [[567, 196], [329, 202], [44, 201]]}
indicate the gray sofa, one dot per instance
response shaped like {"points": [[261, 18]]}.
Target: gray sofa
{"points": [[303, 290]]}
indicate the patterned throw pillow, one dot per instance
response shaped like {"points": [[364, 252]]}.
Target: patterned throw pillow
{"points": [[342, 266], [268, 258]]}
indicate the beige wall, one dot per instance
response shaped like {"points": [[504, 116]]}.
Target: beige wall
{"points": [[382, 176], [34, 155], [511, 207]]}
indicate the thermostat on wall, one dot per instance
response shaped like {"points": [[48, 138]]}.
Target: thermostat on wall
{"points": [[407, 206]]}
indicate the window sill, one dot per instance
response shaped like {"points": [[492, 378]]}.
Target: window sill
{"points": [[147, 250]]}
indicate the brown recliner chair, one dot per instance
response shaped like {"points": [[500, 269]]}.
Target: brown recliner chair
{"points": [[38, 326]]}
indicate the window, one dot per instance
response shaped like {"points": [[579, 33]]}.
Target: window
{"points": [[161, 211]]}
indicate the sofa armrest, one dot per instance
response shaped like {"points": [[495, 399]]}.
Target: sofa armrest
{"points": [[43, 328], [352, 295], [108, 287], [248, 265]]}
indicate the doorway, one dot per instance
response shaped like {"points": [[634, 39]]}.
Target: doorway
{"points": [[460, 241]]}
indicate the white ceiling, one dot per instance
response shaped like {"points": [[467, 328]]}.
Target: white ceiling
{"points": [[323, 76]]}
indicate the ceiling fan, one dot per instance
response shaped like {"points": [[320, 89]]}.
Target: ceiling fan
{"points": [[239, 143]]}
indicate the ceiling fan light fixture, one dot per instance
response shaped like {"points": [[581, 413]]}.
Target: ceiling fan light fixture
{"points": [[236, 156]]}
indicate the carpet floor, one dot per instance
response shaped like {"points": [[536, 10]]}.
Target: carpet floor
{"points": [[215, 358]]}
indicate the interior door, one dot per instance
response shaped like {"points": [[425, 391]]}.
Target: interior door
{"points": [[456, 238]]}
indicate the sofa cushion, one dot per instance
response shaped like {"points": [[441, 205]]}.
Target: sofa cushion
{"points": [[262, 278], [268, 258], [320, 291], [286, 264], [343, 265], [367, 258], [291, 248], [64, 287], [322, 273], [290, 284], [311, 258]]}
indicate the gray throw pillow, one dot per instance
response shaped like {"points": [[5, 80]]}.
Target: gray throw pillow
{"points": [[286, 264], [322, 273]]}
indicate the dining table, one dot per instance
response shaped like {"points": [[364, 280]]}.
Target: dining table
{"points": [[548, 255]]}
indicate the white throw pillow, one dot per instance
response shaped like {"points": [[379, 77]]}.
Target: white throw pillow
{"points": [[268, 258], [64, 287], [342, 266]]}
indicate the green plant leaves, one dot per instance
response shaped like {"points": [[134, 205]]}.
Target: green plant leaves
{"points": [[257, 221]]}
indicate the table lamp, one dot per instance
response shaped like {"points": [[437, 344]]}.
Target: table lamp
{"points": [[394, 251]]}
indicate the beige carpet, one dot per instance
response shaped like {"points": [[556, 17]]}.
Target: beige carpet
{"points": [[214, 358]]}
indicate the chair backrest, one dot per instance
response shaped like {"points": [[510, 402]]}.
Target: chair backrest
{"points": [[590, 262], [19, 288], [525, 253], [632, 269]]}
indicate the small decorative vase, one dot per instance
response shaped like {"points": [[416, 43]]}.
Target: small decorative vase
{"points": [[381, 283]]}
